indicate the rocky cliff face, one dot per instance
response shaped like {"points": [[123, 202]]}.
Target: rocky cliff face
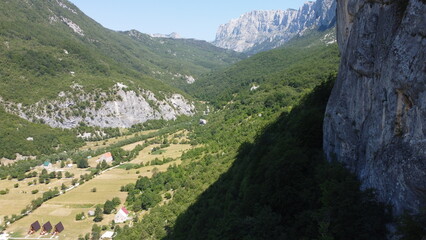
{"points": [[274, 27], [375, 120], [119, 107]]}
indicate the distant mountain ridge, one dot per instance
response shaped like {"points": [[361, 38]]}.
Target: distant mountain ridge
{"points": [[258, 31]]}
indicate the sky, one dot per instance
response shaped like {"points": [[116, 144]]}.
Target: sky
{"points": [[189, 18]]}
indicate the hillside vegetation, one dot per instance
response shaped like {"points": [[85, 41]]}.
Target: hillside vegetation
{"points": [[58, 66], [42, 139], [254, 170], [278, 73], [281, 187], [277, 186], [42, 42]]}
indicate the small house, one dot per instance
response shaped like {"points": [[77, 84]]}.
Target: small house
{"points": [[30, 139], [107, 235], [47, 165], [107, 157], [91, 213], [47, 227], [203, 121], [34, 227], [121, 216], [58, 228]]}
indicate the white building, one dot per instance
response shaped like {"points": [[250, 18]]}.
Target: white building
{"points": [[121, 216], [107, 157], [107, 235]]}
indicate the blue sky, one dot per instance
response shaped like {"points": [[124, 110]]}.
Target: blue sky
{"points": [[190, 18]]}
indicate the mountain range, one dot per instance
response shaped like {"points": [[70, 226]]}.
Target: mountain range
{"points": [[263, 30]]}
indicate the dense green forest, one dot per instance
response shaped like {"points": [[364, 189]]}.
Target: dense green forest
{"points": [[278, 74], [278, 187], [281, 187], [43, 139]]}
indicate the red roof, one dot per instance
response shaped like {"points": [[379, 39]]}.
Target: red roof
{"points": [[125, 210], [108, 154]]}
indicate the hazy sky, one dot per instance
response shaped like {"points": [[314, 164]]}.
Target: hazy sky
{"points": [[190, 18]]}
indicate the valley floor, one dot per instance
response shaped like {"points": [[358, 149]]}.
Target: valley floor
{"points": [[82, 198]]}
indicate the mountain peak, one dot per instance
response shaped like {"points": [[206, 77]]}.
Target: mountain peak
{"points": [[257, 27]]}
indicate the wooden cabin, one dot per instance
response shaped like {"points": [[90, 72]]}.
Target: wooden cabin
{"points": [[34, 227], [58, 228], [47, 227]]}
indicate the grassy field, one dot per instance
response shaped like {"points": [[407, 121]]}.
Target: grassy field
{"points": [[18, 198], [81, 199], [100, 144], [174, 151]]}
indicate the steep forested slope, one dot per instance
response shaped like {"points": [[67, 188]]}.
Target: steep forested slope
{"points": [[31, 139], [276, 187], [59, 67], [293, 67], [281, 187], [183, 61], [42, 42]]}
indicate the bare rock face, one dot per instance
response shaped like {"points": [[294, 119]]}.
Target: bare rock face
{"points": [[274, 27], [375, 120], [118, 108]]}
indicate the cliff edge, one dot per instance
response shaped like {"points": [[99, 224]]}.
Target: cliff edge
{"points": [[375, 121]]}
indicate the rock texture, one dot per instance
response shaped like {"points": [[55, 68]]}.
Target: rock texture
{"points": [[118, 108], [173, 35], [375, 120], [274, 27]]}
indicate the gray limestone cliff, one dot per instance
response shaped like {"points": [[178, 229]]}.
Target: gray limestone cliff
{"points": [[262, 30], [118, 107], [375, 121]]}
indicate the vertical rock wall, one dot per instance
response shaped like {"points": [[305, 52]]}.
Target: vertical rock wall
{"points": [[375, 120]]}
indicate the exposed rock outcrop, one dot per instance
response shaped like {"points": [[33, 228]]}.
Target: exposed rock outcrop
{"points": [[275, 27], [173, 35], [375, 120], [118, 108]]}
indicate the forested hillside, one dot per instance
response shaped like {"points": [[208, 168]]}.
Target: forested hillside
{"points": [[294, 67], [197, 142], [278, 186], [32, 139], [43, 41], [281, 187], [60, 68]]}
